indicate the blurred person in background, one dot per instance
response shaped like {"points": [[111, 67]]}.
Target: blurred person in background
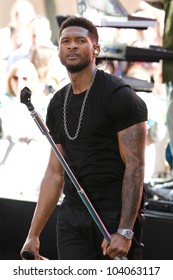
{"points": [[21, 14], [16, 33], [51, 72], [39, 34], [44, 59], [14, 115], [38, 45], [22, 144], [4, 51]]}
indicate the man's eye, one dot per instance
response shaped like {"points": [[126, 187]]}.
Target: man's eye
{"points": [[81, 40], [65, 41]]}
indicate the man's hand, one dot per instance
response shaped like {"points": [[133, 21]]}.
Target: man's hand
{"points": [[32, 246], [118, 247]]}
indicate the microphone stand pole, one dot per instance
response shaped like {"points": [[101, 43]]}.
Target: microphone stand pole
{"points": [[25, 98]]}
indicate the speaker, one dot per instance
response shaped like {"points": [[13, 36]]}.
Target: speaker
{"points": [[158, 231], [14, 230]]}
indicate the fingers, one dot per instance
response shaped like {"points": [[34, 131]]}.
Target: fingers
{"points": [[43, 258], [104, 246], [118, 247], [30, 250], [29, 255], [119, 258]]}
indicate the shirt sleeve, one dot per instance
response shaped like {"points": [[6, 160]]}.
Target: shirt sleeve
{"points": [[127, 108]]}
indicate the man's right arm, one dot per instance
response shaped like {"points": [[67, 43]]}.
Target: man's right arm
{"points": [[50, 191]]}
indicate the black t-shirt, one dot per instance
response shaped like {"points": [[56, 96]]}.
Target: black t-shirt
{"points": [[94, 155]]}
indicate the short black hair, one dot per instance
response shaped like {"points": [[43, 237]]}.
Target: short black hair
{"points": [[81, 22]]}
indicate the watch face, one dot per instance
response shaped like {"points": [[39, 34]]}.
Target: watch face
{"points": [[127, 233]]}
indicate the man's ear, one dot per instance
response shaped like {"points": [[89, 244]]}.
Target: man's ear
{"points": [[96, 50]]}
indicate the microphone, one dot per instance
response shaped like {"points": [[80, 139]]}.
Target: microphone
{"points": [[28, 255]]}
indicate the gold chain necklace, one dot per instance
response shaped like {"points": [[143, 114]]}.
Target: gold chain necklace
{"points": [[81, 112]]}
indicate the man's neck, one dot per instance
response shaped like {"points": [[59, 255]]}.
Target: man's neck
{"points": [[81, 81]]}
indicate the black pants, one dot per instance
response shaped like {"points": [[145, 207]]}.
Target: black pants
{"points": [[79, 238]]}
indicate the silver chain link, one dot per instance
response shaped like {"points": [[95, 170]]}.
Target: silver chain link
{"points": [[81, 112]]}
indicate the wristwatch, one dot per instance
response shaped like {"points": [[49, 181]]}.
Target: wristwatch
{"points": [[127, 233]]}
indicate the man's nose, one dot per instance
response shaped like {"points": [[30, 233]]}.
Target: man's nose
{"points": [[73, 44]]}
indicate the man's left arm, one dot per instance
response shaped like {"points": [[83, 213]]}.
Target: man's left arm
{"points": [[132, 144]]}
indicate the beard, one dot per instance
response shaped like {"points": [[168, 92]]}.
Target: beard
{"points": [[75, 68]]}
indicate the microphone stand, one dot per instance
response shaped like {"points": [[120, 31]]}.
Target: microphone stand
{"points": [[25, 98]]}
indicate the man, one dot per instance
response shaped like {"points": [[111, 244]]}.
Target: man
{"points": [[99, 124]]}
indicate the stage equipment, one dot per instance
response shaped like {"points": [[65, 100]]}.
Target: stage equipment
{"points": [[114, 13], [120, 51]]}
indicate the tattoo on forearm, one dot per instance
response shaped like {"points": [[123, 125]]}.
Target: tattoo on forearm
{"points": [[132, 135], [132, 140]]}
